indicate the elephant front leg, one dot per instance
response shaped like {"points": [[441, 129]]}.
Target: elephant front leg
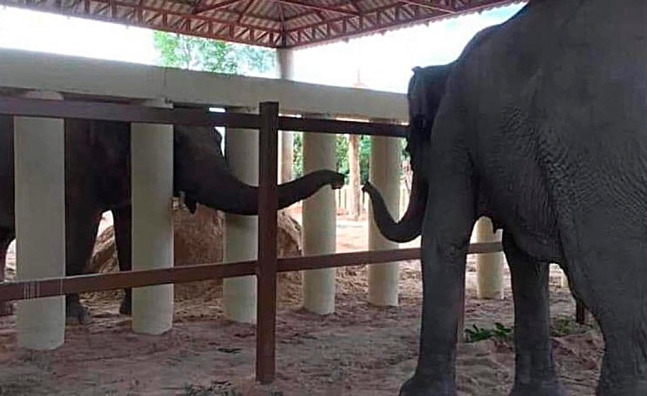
{"points": [[6, 236], [81, 233], [535, 373], [443, 274], [122, 218]]}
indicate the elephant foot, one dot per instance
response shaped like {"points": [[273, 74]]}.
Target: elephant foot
{"points": [[626, 388], [552, 388], [126, 308], [416, 387], [77, 314], [6, 308]]}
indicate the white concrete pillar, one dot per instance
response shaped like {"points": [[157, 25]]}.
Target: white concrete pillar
{"points": [[152, 220], [563, 279], [384, 173], [489, 266], [285, 58], [241, 232], [319, 225], [40, 223]]}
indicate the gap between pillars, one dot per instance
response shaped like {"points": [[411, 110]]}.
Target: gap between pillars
{"points": [[267, 252]]}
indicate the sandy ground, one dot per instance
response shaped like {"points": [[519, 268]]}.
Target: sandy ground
{"points": [[359, 350]]}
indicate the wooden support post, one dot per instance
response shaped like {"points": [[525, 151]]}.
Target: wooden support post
{"points": [[267, 252]]}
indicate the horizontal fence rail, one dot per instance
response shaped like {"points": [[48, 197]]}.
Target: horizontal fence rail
{"points": [[104, 111], [320, 125], [49, 287]]}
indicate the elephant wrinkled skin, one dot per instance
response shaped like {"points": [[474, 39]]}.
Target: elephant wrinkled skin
{"points": [[97, 179], [540, 125]]}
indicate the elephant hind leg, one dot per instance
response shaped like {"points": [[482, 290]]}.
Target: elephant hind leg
{"points": [[535, 373], [611, 281], [123, 227], [6, 236]]}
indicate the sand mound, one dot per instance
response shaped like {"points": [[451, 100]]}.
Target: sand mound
{"points": [[198, 239]]}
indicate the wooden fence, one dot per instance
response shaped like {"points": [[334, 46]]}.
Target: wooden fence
{"points": [[266, 267]]}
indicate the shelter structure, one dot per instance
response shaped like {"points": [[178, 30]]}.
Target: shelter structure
{"points": [[268, 23], [281, 24]]}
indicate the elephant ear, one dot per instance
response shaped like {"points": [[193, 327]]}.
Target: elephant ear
{"points": [[425, 93]]}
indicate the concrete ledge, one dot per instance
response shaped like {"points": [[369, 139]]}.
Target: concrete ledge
{"points": [[74, 75]]}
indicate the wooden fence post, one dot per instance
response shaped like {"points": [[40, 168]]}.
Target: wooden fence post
{"points": [[267, 252]]}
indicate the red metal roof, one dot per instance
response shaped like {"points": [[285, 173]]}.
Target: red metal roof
{"points": [[269, 23]]}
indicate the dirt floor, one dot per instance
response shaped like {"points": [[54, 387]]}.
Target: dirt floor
{"points": [[359, 350]]}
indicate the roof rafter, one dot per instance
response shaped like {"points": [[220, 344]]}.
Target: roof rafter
{"points": [[214, 7], [432, 5], [245, 10], [318, 7]]}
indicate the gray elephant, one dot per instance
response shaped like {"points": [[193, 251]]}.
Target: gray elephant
{"points": [[540, 125], [97, 172]]}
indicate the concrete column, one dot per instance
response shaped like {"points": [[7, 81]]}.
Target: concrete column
{"points": [[241, 232], [385, 175], [40, 223], [489, 266], [319, 225], [152, 220], [563, 279], [285, 58], [354, 176]]}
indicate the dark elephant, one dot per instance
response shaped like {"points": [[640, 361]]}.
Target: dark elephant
{"points": [[540, 125], [97, 166]]}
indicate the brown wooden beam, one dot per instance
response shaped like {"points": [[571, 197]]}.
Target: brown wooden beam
{"points": [[243, 13], [267, 253], [29, 289], [19, 290], [213, 7], [133, 113], [343, 127], [123, 112]]}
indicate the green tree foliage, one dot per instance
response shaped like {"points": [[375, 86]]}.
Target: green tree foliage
{"points": [[341, 155], [197, 53]]}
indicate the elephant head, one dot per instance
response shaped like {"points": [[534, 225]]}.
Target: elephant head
{"points": [[202, 175], [426, 89]]}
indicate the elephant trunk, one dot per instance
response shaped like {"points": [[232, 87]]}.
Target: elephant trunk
{"points": [[223, 191], [410, 225]]}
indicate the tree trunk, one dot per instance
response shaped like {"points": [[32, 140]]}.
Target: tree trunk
{"points": [[353, 164]]}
